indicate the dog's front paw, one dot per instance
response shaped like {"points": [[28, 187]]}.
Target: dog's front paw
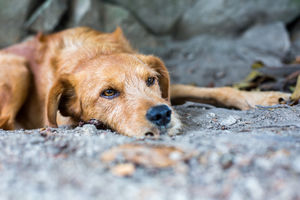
{"points": [[265, 98], [6, 123]]}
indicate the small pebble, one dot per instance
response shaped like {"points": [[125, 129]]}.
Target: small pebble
{"points": [[226, 161], [296, 165], [89, 129], [263, 164], [254, 188], [175, 156], [212, 115], [230, 120]]}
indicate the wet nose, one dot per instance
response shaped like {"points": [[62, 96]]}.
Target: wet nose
{"points": [[159, 115]]}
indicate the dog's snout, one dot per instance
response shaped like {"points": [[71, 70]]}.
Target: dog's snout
{"points": [[159, 115]]}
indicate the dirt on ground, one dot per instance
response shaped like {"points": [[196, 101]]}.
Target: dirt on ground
{"points": [[220, 154]]}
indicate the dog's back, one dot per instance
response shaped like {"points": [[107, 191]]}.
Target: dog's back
{"points": [[45, 57]]}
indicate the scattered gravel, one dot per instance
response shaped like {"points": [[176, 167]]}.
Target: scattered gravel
{"points": [[239, 155]]}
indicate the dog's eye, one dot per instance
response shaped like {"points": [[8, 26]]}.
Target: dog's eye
{"points": [[110, 93], [150, 81]]}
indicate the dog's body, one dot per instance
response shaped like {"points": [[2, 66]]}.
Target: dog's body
{"points": [[80, 74]]}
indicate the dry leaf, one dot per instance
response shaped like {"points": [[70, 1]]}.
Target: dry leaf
{"points": [[148, 155], [297, 60], [296, 94], [124, 169]]}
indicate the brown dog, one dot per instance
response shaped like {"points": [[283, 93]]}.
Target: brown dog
{"points": [[81, 74]]}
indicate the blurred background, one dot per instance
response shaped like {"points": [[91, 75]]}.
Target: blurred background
{"points": [[203, 42]]}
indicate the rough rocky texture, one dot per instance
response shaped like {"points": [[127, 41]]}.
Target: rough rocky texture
{"points": [[295, 37], [13, 14], [158, 16], [48, 16], [239, 155], [86, 13], [106, 17], [221, 17], [224, 42], [116, 16], [207, 59]]}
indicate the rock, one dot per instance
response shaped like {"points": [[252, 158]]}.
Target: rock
{"points": [[86, 13], [254, 188], [138, 36], [266, 46], [295, 37], [211, 115], [296, 165], [230, 120], [12, 17], [47, 17], [233, 57], [296, 46], [89, 129], [263, 163], [226, 161], [236, 195], [158, 16], [232, 17], [107, 17], [214, 158]]}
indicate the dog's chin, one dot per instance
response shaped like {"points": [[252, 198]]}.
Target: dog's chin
{"points": [[170, 130], [175, 127], [155, 132], [150, 132], [158, 132]]}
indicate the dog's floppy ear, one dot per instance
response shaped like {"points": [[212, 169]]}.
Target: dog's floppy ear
{"points": [[163, 78], [62, 97]]}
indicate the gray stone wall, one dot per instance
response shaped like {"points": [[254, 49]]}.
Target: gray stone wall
{"points": [[202, 41]]}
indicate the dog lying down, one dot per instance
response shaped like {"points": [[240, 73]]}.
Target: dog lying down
{"points": [[81, 74]]}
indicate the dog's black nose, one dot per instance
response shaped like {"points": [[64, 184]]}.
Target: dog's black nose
{"points": [[159, 115]]}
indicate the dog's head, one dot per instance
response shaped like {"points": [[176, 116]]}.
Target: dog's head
{"points": [[128, 92]]}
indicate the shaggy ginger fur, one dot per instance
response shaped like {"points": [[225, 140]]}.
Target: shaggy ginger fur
{"points": [[81, 74]]}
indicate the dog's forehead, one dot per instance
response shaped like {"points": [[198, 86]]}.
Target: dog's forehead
{"points": [[123, 64]]}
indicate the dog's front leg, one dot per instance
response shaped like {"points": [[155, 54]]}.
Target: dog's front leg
{"points": [[14, 84], [227, 96]]}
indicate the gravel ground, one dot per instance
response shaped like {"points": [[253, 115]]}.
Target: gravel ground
{"points": [[237, 155]]}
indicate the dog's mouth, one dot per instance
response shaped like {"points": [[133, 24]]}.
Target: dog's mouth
{"points": [[149, 134], [153, 133], [158, 131], [98, 124]]}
